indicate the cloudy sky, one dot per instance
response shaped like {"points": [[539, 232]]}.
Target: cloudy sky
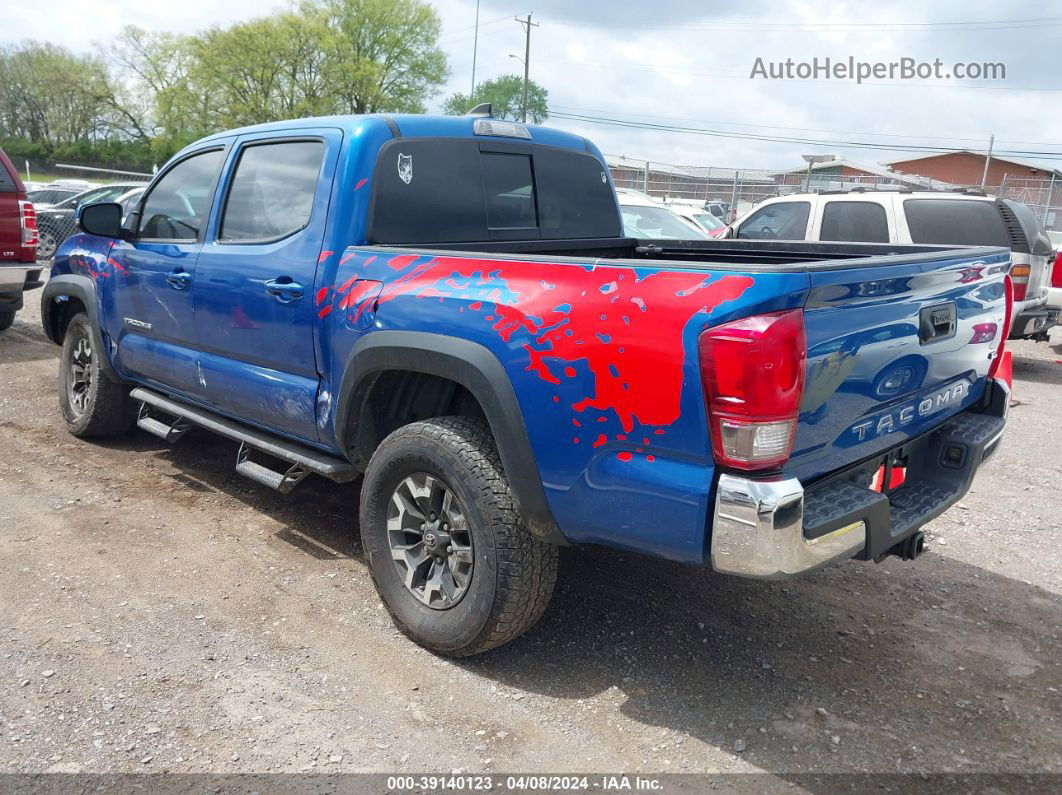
{"points": [[687, 64]]}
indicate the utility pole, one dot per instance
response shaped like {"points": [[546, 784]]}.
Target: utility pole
{"points": [[528, 24], [475, 47], [988, 159]]}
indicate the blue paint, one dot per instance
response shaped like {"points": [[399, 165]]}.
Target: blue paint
{"points": [[226, 343]]}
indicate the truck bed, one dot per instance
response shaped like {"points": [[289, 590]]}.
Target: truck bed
{"points": [[875, 378], [752, 255]]}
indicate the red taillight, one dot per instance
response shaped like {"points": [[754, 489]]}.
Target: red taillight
{"points": [[983, 332], [1019, 276], [753, 375], [28, 216], [1056, 272], [1008, 297]]}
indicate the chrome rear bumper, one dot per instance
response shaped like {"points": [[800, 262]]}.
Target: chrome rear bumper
{"points": [[758, 531]]}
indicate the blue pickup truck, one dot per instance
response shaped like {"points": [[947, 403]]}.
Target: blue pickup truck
{"points": [[446, 310]]}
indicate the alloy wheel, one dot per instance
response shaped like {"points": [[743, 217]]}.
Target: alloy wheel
{"points": [[431, 545]]}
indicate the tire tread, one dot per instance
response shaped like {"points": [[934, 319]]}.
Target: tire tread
{"points": [[527, 566]]}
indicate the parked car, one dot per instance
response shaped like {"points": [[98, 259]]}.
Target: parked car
{"points": [[450, 308], [1054, 292], [129, 200], [644, 217], [904, 216], [18, 243], [720, 209], [57, 222], [47, 196], [696, 213]]}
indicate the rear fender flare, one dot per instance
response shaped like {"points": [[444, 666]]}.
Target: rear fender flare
{"points": [[474, 367]]}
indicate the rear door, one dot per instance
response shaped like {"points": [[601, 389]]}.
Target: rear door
{"points": [[153, 274], [254, 308]]}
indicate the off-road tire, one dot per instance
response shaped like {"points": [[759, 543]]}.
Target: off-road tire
{"points": [[513, 572], [107, 408], [6, 319]]}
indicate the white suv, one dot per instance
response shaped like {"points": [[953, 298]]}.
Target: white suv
{"points": [[925, 217]]}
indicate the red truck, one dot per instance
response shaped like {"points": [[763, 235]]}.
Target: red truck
{"points": [[18, 243]]}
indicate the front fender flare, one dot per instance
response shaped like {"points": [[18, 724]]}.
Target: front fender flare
{"points": [[474, 367], [73, 285]]}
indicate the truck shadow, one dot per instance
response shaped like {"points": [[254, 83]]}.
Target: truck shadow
{"points": [[320, 518], [911, 667], [908, 666], [1040, 371]]}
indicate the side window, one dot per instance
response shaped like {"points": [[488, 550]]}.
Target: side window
{"points": [[781, 221], [177, 205], [856, 222], [510, 191], [963, 222], [272, 190]]}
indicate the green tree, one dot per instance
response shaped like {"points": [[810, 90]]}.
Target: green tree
{"points": [[505, 94], [382, 55], [49, 94], [155, 68], [263, 70]]}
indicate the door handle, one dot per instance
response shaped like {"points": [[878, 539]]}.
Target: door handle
{"points": [[284, 291], [179, 280]]}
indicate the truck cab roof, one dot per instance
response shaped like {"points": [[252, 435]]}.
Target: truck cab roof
{"points": [[411, 126]]}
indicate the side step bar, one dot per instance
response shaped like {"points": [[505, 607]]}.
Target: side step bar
{"points": [[167, 432], [283, 482], [302, 460]]}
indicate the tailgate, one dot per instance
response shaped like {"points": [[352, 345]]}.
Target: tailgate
{"points": [[893, 350]]}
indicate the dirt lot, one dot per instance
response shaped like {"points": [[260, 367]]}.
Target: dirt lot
{"points": [[159, 613]]}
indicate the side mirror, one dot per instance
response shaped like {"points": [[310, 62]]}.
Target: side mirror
{"points": [[103, 219]]}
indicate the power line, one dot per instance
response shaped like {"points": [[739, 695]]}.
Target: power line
{"points": [[610, 112], [455, 31], [733, 75], [831, 27], [633, 124]]}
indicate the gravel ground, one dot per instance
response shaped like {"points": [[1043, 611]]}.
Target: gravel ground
{"points": [[159, 613]]}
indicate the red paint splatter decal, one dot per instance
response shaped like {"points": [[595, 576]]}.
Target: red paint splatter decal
{"points": [[609, 332]]}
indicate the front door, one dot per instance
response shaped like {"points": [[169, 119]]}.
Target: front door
{"points": [[152, 275], [254, 307]]}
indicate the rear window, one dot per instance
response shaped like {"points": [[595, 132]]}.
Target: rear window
{"points": [[854, 222], [465, 191], [656, 223], [955, 221], [7, 182], [510, 191]]}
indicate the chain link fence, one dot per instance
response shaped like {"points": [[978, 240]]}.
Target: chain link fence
{"points": [[739, 189], [732, 191], [58, 201]]}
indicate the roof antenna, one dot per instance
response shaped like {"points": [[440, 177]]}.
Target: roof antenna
{"points": [[482, 109]]}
